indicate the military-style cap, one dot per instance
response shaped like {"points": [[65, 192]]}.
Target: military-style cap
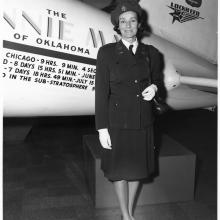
{"points": [[124, 6]]}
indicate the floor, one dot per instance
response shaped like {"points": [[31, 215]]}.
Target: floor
{"points": [[43, 177]]}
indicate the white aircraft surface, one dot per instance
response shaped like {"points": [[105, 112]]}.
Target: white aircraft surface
{"points": [[50, 48]]}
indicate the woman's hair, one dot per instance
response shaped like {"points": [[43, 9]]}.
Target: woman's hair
{"points": [[141, 28]]}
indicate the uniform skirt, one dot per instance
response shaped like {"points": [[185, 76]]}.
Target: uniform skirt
{"points": [[131, 156]]}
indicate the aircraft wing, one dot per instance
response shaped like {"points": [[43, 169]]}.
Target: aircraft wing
{"points": [[184, 97]]}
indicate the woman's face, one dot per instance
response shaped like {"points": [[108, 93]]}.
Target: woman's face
{"points": [[128, 25]]}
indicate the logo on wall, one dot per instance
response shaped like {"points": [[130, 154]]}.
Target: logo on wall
{"points": [[182, 14]]}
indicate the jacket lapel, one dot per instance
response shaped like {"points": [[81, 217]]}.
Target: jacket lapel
{"points": [[126, 61], [123, 55], [141, 52]]}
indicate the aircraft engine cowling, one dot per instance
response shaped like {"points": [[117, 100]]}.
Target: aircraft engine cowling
{"points": [[171, 76]]}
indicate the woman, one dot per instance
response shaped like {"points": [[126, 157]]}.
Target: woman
{"points": [[124, 117]]}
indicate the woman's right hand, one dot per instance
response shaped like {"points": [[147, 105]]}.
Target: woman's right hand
{"points": [[104, 138]]}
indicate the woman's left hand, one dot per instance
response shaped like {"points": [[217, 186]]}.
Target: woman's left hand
{"points": [[149, 93]]}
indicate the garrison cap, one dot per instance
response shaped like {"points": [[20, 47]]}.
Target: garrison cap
{"points": [[124, 6]]}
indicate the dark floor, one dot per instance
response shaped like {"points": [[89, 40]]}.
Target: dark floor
{"points": [[43, 179]]}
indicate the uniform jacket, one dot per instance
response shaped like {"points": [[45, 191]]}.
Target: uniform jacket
{"points": [[120, 79]]}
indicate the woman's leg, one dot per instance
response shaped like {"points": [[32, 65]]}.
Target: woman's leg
{"points": [[132, 191], [121, 188]]}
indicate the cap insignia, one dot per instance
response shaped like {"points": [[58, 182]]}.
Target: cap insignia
{"points": [[123, 8]]}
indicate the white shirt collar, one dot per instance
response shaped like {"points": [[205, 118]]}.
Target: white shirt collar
{"points": [[127, 44]]}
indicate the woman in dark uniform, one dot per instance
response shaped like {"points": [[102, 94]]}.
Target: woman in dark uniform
{"points": [[123, 107]]}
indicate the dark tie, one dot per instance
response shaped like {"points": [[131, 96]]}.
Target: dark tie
{"points": [[130, 49]]}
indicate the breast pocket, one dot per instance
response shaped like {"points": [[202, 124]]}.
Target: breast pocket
{"points": [[120, 72], [114, 72]]}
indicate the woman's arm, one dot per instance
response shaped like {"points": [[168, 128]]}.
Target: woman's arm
{"points": [[157, 67], [101, 91], [101, 99]]}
